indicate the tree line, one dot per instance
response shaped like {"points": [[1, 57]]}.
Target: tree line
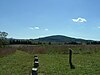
{"points": [[8, 41]]}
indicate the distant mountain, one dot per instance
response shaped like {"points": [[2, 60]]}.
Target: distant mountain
{"points": [[60, 38]]}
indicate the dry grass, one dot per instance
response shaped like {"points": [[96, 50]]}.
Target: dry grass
{"points": [[60, 49], [6, 51]]}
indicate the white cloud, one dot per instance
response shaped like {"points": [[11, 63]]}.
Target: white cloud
{"points": [[31, 28], [46, 29], [36, 27], [99, 27], [79, 20]]}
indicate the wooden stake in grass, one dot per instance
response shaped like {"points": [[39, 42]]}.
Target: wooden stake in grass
{"points": [[36, 65], [34, 71], [70, 59]]}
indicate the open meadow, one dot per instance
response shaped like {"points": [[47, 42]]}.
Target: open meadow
{"points": [[49, 37], [53, 60]]}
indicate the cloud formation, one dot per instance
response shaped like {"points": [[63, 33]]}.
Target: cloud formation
{"points": [[36, 27], [46, 29], [79, 20], [99, 27], [31, 28]]}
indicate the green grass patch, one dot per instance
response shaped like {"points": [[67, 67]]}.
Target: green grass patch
{"points": [[57, 64], [20, 63]]}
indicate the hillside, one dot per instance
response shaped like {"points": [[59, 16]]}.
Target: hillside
{"points": [[60, 38]]}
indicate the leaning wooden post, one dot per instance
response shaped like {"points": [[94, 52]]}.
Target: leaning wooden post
{"points": [[35, 67], [70, 59]]}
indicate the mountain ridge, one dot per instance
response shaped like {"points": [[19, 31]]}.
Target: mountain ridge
{"points": [[60, 38]]}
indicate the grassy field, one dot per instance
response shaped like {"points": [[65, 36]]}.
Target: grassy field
{"points": [[21, 62], [18, 63], [88, 64]]}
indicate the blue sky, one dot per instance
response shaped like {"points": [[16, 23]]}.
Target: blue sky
{"points": [[38, 18]]}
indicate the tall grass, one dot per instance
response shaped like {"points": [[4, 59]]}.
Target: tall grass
{"points": [[61, 49], [6, 51]]}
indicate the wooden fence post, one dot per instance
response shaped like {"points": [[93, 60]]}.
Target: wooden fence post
{"points": [[70, 59], [34, 71], [35, 67]]}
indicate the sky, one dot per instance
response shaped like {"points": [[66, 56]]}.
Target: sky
{"points": [[29, 19]]}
